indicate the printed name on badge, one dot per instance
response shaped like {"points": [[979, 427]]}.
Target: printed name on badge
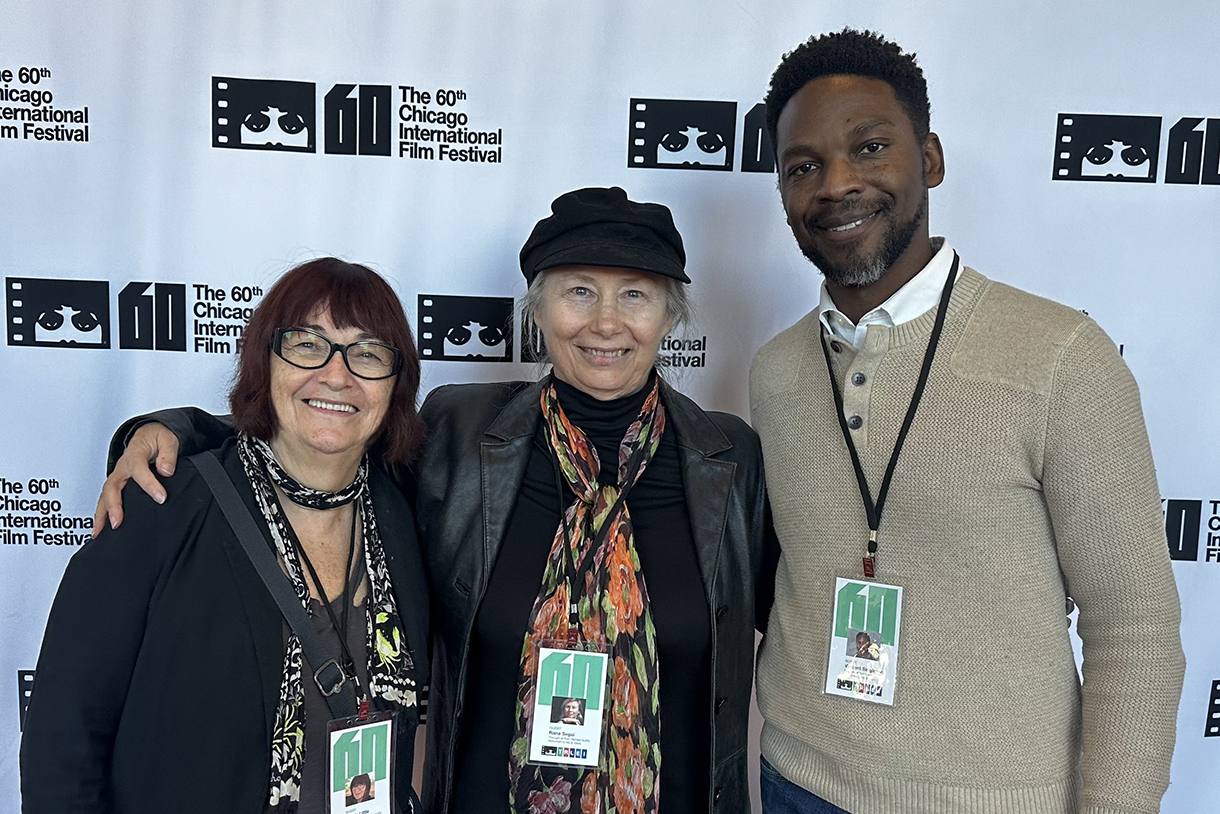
{"points": [[864, 637]]}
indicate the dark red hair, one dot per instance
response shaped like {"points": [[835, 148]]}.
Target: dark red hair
{"points": [[357, 297]]}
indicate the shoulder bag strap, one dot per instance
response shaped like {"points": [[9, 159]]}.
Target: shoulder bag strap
{"points": [[329, 676]]}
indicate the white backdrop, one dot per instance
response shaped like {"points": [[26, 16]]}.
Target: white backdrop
{"points": [[162, 186]]}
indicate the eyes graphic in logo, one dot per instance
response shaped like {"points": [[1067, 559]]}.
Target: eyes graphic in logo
{"points": [[474, 339], [1114, 159], [691, 145], [66, 325], [274, 126]]}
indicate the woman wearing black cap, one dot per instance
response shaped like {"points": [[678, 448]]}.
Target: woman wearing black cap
{"points": [[594, 533]]}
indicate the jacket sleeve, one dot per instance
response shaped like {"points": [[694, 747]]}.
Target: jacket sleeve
{"points": [[196, 430], [764, 590], [93, 636], [1100, 487]]}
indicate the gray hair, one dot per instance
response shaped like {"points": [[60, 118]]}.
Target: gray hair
{"points": [[677, 303]]}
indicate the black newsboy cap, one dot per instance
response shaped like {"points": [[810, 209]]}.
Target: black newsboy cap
{"points": [[596, 226]]}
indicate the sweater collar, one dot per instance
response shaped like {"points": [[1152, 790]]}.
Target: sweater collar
{"points": [[921, 292]]}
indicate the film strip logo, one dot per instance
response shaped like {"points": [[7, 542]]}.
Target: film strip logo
{"points": [[465, 329], [58, 313], [1212, 729], [685, 134], [25, 687], [264, 114], [1091, 147]]}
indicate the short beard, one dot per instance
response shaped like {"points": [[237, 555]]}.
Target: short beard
{"points": [[860, 271]]}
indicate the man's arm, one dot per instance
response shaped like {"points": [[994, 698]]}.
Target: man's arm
{"points": [[1101, 491], [196, 430], [161, 436]]}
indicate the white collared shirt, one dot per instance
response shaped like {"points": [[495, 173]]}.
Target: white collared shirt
{"points": [[920, 294]]}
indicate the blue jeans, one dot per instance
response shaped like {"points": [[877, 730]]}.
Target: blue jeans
{"points": [[782, 796]]}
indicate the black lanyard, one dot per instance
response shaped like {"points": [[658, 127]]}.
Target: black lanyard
{"points": [[872, 510], [340, 625]]}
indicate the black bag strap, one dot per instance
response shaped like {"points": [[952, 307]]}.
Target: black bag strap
{"points": [[329, 676]]}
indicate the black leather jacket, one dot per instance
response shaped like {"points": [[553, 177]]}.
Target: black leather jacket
{"points": [[468, 476]]}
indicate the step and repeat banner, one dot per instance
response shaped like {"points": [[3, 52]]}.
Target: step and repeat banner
{"points": [[163, 163]]}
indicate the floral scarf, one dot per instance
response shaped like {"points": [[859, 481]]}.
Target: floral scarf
{"points": [[614, 614], [389, 663]]}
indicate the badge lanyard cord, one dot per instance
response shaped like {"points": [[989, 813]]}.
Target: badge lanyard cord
{"points": [[349, 666], [872, 510]]}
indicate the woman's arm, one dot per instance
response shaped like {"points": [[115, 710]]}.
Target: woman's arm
{"points": [[93, 636]]}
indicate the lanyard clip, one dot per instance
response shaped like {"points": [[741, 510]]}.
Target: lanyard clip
{"points": [[870, 562]]}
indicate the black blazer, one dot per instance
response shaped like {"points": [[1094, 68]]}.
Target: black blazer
{"points": [[159, 675]]}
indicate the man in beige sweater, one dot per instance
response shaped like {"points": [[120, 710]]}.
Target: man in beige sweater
{"points": [[1019, 474]]}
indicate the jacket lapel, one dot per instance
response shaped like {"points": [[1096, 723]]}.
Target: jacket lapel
{"points": [[707, 482], [504, 454], [396, 526]]}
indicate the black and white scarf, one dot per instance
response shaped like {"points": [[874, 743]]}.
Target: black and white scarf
{"points": [[389, 663]]}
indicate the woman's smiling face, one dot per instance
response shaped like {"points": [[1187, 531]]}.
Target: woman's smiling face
{"points": [[326, 410], [603, 326]]}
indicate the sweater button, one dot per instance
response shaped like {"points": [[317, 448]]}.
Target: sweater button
{"points": [[836, 347], [855, 422], [858, 379], [722, 612], [720, 704], [716, 795]]}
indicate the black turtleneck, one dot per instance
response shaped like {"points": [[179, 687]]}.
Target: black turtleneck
{"points": [[676, 593]]}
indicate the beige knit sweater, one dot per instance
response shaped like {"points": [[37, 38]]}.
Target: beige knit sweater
{"points": [[1026, 474]]}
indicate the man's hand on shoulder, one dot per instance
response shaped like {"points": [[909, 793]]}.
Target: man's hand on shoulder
{"points": [[150, 442]]}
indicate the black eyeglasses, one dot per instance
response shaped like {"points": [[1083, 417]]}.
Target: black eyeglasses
{"points": [[301, 347]]}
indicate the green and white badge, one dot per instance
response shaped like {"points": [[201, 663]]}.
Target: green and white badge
{"points": [[360, 765], [864, 637], [569, 705]]}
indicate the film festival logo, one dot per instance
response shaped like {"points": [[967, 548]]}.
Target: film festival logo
{"points": [[696, 134], [1092, 147], [58, 313], [465, 329], [1184, 530], [281, 115], [51, 313]]}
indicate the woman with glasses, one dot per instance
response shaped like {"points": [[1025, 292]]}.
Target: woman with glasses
{"points": [[169, 678]]}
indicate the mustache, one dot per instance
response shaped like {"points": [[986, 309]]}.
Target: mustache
{"points": [[848, 209]]}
